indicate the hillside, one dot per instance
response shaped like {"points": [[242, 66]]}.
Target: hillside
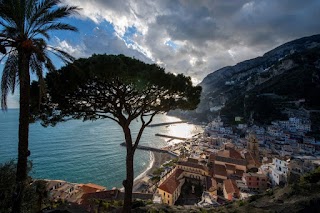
{"points": [[272, 86]]}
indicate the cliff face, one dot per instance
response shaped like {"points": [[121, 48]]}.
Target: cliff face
{"points": [[287, 73]]}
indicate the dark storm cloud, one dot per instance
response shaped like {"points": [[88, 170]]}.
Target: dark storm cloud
{"points": [[196, 24], [206, 34], [272, 22]]}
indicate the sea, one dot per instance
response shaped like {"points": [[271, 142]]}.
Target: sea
{"points": [[86, 152]]}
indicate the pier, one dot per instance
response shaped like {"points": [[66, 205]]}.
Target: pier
{"points": [[153, 149], [166, 123], [169, 136]]}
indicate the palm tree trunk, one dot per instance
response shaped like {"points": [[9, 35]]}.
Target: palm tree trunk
{"points": [[23, 152]]}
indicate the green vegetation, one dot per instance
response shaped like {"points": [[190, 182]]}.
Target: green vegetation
{"points": [[35, 194], [158, 171], [171, 163], [308, 184], [298, 82]]}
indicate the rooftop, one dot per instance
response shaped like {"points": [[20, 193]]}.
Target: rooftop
{"points": [[91, 187], [172, 182], [192, 165], [219, 170], [231, 186]]}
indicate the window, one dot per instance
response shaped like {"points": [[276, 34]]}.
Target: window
{"points": [[168, 196], [164, 193], [257, 178]]}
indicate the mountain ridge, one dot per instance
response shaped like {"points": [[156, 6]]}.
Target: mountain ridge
{"points": [[239, 85]]}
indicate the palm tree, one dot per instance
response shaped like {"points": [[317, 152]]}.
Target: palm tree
{"points": [[24, 31]]}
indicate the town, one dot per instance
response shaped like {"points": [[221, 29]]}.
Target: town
{"points": [[221, 165]]}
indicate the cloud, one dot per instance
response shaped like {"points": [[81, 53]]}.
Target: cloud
{"points": [[194, 37]]}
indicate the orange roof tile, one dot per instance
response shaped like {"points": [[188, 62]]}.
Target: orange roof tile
{"points": [[231, 187], [172, 182], [230, 153], [91, 187]]}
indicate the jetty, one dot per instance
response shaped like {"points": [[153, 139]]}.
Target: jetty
{"points": [[169, 136], [166, 123], [153, 149]]}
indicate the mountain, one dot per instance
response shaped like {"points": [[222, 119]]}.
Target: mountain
{"points": [[282, 82]]}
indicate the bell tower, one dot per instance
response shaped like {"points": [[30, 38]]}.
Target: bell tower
{"points": [[253, 145]]}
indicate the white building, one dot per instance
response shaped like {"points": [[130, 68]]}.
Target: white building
{"points": [[274, 131], [278, 171], [295, 124]]}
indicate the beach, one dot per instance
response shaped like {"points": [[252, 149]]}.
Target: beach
{"points": [[141, 182]]}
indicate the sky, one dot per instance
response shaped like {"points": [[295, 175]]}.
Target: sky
{"points": [[194, 37]]}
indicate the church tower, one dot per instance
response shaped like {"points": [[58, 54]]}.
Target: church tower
{"points": [[253, 145]]}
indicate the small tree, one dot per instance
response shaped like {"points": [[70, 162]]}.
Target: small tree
{"points": [[119, 88], [7, 188]]}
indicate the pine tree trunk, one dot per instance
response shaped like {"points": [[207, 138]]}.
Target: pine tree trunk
{"points": [[23, 152], [128, 183]]}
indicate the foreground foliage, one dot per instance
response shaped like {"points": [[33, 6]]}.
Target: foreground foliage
{"points": [[34, 197]]}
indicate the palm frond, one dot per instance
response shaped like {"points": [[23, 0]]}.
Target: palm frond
{"points": [[39, 49], [54, 15], [8, 80], [37, 67], [40, 7], [7, 11], [64, 56], [58, 26], [49, 65], [30, 7], [3, 49], [30, 20]]}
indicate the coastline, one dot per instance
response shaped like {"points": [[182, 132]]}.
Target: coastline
{"points": [[141, 181]]}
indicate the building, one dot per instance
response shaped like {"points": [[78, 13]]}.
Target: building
{"points": [[307, 148], [170, 188], [299, 167], [253, 145], [227, 163], [279, 171], [170, 185], [91, 187], [255, 181], [192, 169], [230, 190], [71, 192], [54, 184]]}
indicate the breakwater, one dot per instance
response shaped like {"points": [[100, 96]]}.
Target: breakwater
{"points": [[169, 136], [166, 123], [153, 149]]}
